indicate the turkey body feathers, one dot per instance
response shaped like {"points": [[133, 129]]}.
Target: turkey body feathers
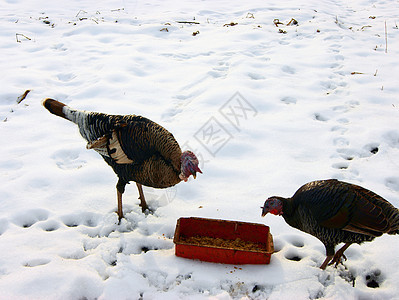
{"points": [[152, 151], [336, 212]]}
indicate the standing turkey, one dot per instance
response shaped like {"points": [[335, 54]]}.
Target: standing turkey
{"points": [[136, 148], [336, 212]]}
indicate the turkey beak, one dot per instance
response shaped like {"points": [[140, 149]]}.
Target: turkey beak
{"points": [[263, 212], [194, 172]]}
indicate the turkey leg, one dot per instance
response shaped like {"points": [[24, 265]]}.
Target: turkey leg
{"points": [[120, 212], [120, 189], [336, 258], [326, 261], [143, 204]]}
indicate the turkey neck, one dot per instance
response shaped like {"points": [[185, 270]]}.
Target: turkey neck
{"points": [[289, 215]]}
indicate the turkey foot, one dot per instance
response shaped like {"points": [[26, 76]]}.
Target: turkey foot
{"points": [[143, 204], [340, 253], [337, 260]]}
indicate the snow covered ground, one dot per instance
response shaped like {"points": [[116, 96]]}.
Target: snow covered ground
{"points": [[287, 104]]}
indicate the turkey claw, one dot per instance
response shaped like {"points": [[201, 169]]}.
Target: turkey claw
{"points": [[146, 210], [337, 259]]}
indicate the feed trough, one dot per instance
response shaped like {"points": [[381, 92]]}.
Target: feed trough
{"points": [[223, 241]]}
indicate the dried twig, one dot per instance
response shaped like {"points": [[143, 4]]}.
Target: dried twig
{"points": [[277, 22], [292, 22], [187, 22], [230, 24], [23, 35], [365, 26], [81, 11], [23, 96]]}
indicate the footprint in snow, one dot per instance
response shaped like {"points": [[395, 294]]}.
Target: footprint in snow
{"points": [[347, 275], [392, 183], [292, 254], [28, 218], [370, 149], [255, 76], [341, 142], [85, 218], [288, 69], [295, 240], [74, 254], [339, 129], [320, 117], [288, 100], [374, 279], [68, 159], [36, 262], [341, 166], [59, 47], [367, 151], [50, 225], [143, 245], [65, 77]]}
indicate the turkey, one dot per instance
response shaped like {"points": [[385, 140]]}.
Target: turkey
{"points": [[136, 148], [336, 212]]}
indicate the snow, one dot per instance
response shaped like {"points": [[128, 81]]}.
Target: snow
{"points": [[318, 100]]}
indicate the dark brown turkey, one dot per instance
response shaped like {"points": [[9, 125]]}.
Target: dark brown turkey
{"points": [[336, 212], [136, 148]]}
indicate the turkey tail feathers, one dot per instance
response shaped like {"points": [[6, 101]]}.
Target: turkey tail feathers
{"points": [[62, 110], [55, 107]]}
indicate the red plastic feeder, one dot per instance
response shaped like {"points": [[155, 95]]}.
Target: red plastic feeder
{"points": [[225, 230]]}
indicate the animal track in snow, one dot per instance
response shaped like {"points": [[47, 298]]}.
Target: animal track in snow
{"points": [[367, 151], [140, 245], [86, 219], [288, 100], [295, 240], [340, 141], [28, 218], [50, 225], [341, 165], [347, 275], [66, 77], [68, 159], [371, 149], [374, 279], [339, 129], [255, 76], [392, 183], [320, 117], [36, 262], [293, 257], [73, 254], [288, 69], [59, 47], [220, 71], [91, 244]]}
